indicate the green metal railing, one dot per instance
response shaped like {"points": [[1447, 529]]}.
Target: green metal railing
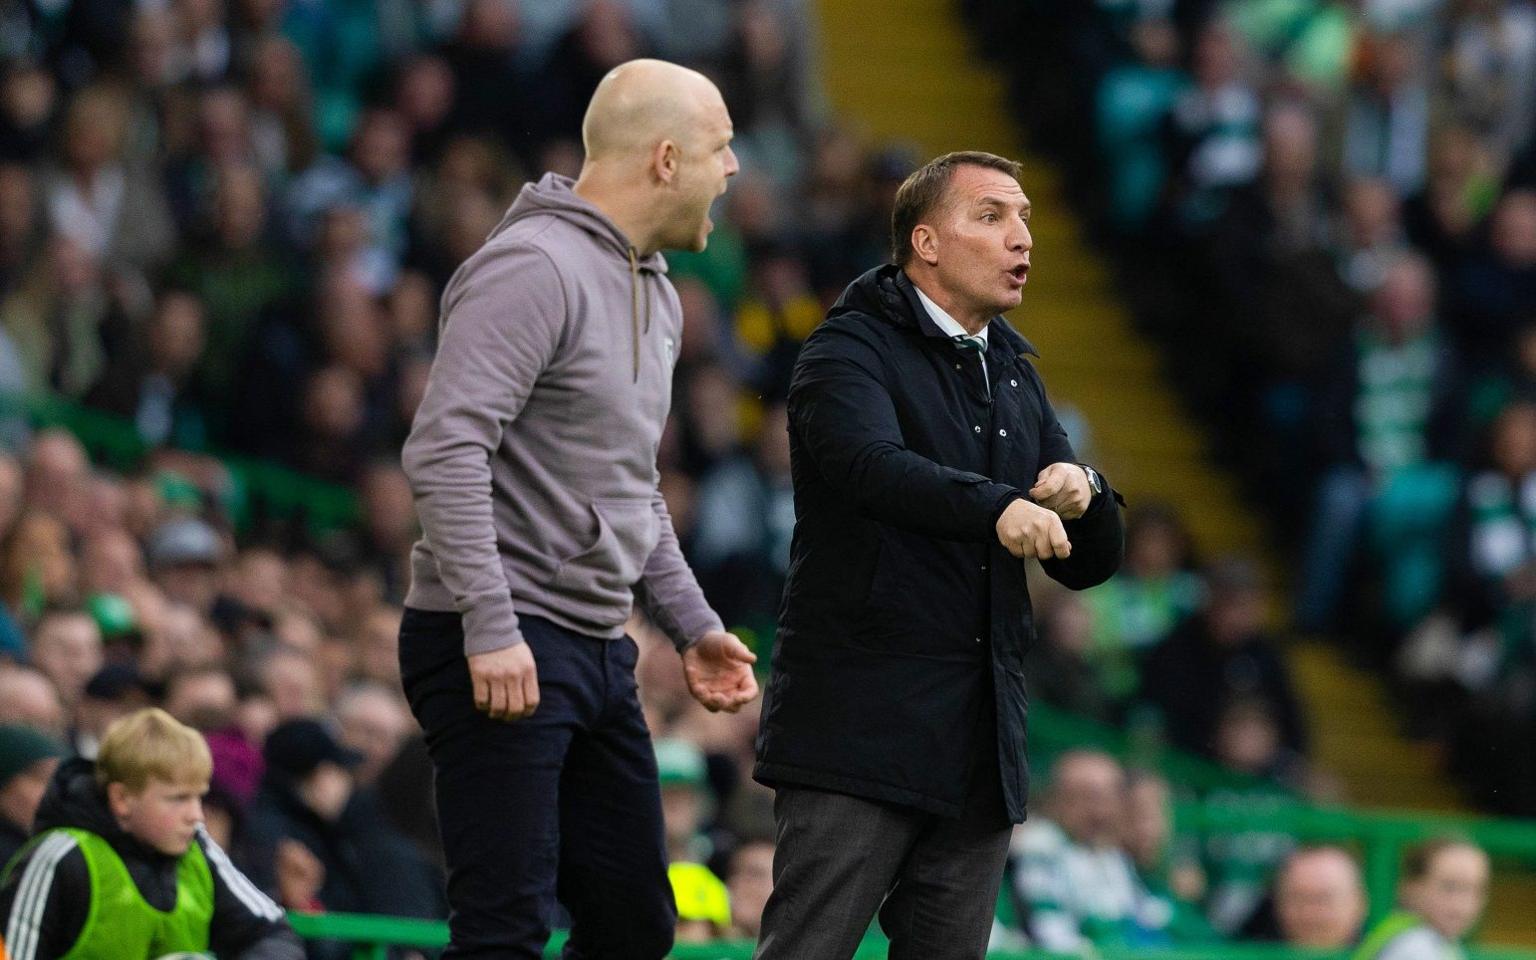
{"points": [[1380, 837], [375, 935], [1053, 731]]}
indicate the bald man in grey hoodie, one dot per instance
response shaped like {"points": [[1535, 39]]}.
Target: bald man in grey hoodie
{"points": [[533, 461]]}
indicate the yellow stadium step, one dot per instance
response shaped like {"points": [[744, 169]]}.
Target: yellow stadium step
{"points": [[1511, 916], [1358, 742]]}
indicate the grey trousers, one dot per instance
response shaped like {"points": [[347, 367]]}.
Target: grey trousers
{"points": [[839, 859]]}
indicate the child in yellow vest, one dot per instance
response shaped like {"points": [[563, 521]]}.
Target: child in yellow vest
{"points": [[1444, 891], [120, 867]]}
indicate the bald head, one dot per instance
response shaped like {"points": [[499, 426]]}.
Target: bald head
{"points": [[643, 102], [1319, 899], [1087, 797], [29, 698], [658, 141]]}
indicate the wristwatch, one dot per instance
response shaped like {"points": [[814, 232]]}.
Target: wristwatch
{"points": [[1095, 482]]}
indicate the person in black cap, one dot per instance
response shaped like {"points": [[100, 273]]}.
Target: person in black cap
{"points": [[113, 692], [27, 762], [314, 843]]}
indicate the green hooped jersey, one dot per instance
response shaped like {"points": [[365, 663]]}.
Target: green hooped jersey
{"points": [[121, 925], [1394, 926]]}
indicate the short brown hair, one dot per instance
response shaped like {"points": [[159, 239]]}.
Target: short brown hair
{"points": [[152, 745], [920, 193], [1420, 859]]}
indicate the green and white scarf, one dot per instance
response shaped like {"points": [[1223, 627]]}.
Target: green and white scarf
{"points": [[1393, 402]]}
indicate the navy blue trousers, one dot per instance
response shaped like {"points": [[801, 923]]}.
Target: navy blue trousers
{"points": [[562, 807]]}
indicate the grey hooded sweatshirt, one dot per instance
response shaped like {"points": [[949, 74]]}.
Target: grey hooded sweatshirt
{"points": [[533, 454]]}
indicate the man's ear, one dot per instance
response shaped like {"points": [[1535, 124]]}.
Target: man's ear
{"points": [[664, 161], [925, 243]]}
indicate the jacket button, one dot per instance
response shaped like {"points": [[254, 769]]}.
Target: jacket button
{"points": [[1002, 433], [983, 568], [957, 366], [1013, 383], [978, 428], [978, 639]]}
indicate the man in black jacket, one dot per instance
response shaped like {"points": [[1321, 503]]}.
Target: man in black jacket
{"points": [[928, 467]]}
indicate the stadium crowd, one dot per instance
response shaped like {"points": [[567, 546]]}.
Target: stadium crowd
{"points": [[228, 223], [1337, 201]]}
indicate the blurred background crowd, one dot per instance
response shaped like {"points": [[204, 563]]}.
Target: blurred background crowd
{"points": [[226, 224], [1336, 200]]}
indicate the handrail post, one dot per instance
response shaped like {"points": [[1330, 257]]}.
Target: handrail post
{"points": [[1381, 857]]}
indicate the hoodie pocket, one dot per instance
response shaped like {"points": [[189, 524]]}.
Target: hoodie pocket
{"points": [[627, 530]]}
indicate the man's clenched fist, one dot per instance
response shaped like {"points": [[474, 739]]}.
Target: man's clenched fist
{"points": [[1028, 530], [1063, 488]]}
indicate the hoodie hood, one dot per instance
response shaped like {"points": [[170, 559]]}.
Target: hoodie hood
{"points": [[554, 195], [74, 800], [887, 292]]}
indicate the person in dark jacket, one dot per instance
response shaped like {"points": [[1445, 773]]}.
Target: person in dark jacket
{"points": [[928, 466], [121, 866], [28, 759], [1220, 657], [317, 843], [155, 384]]}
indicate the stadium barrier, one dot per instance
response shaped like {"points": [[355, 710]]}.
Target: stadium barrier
{"points": [[374, 936], [1053, 731], [1379, 838]]}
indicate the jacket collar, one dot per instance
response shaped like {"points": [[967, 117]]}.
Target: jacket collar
{"points": [[887, 292]]}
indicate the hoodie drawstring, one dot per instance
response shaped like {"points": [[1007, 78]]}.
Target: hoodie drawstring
{"points": [[635, 283], [634, 308]]}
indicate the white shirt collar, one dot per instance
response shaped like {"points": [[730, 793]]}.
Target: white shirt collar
{"points": [[946, 323]]}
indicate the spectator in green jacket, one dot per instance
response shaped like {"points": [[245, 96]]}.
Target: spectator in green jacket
{"points": [[1076, 883]]}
